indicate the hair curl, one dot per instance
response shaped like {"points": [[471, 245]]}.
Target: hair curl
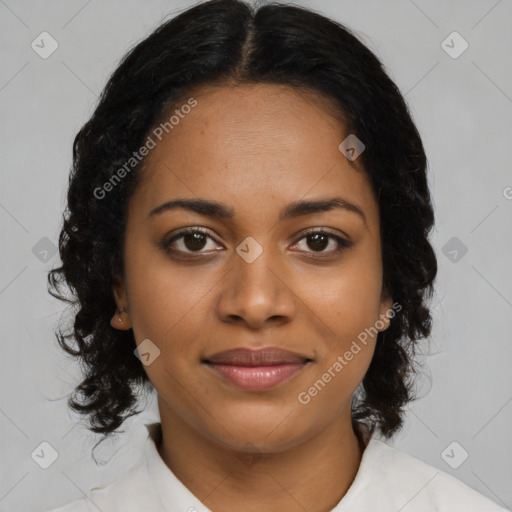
{"points": [[231, 42]]}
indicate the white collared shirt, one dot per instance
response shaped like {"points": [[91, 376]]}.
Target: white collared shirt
{"points": [[388, 480]]}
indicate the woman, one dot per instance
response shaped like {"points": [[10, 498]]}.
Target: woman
{"points": [[247, 234]]}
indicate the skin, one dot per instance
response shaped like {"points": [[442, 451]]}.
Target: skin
{"points": [[256, 148]]}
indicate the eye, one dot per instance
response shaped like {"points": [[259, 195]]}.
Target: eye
{"points": [[193, 240], [320, 239], [189, 241]]}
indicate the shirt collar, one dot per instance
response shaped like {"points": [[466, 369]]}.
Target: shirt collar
{"points": [[172, 492], [176, 497]]}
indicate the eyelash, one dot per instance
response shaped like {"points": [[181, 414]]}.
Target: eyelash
{"points": [[342, 243]]}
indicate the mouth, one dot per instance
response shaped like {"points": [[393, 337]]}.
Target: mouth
{"points": [[256, 370]]}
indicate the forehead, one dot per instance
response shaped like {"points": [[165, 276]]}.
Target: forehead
{"points": [[251, 146]]}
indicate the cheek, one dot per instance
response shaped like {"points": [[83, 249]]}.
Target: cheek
{"points": [[330, 391], [169, 306], [348, 298], [162, 296], [347, 303]]}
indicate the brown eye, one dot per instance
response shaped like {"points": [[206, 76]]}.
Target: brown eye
{"points": [[189, 241], [194, 241], [319, 240]]}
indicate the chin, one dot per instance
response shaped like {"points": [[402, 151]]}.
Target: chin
{"points": [[262, 429]]}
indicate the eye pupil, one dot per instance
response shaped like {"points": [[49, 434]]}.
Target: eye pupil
{"points": [[317, 244], [194, 241]]}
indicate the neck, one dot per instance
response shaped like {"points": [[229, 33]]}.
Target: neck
{"points": [[312, 475]]}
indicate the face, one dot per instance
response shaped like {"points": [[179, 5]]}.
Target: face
{"points": [[255, 276]]}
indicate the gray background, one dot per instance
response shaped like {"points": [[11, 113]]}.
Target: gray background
{"points": [[462, 107]]}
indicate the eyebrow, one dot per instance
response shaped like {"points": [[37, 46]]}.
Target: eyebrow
{"points": [[293, 210]]}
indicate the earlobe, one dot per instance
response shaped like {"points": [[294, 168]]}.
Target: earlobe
{"points": [[386, 313], [121, 319], [117, 320]]}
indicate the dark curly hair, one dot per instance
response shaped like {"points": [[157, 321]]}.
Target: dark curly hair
{"points": [[225, 42]]}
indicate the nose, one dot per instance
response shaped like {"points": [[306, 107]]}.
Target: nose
{"points": [[257, 292]]}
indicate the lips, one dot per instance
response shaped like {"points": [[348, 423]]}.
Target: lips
{"points": [[268, 356], [256, 370]]}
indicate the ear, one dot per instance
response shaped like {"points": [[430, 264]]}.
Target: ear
{"points": [[385, 309], [121, 320]]}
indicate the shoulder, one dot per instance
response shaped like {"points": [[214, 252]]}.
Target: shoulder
{"points": [[395, 480], [130, 492]]}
